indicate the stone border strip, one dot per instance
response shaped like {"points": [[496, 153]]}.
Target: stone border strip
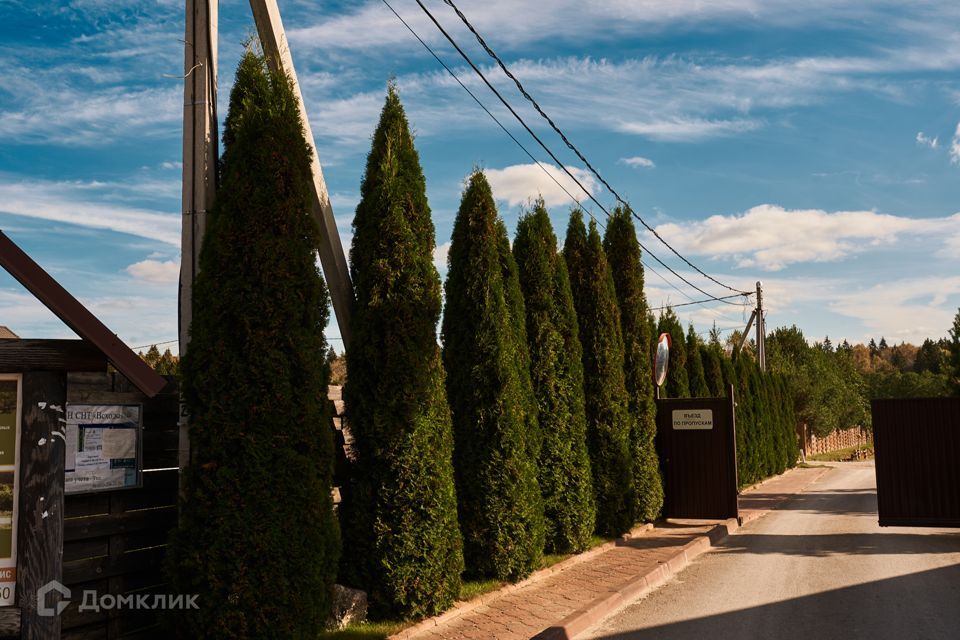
{"points": [[465, 606]]}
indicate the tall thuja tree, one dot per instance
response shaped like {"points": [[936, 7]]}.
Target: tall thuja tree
{"points": [[402, 539], [557, 375], [711, 355], [608, 413], [695, 372], [491, 399], [677, 384], [257, 537], [623, 253]]}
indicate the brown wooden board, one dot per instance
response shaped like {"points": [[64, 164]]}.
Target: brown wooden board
{"points": [[699, 465], [17, 356], [916, 442], [40, 534]]}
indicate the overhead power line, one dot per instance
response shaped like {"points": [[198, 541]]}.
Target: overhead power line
{"points": [[573, 147], [484, 107], [553, 156], [687, 304]]}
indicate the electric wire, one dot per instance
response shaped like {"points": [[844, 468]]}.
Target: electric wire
{"points": [[571, 146], [487, 111], [553, 156]]}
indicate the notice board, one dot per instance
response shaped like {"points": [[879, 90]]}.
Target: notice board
{"points": [[9, 496], [103, 447]]}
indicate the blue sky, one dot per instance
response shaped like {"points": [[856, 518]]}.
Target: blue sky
{"points": [[814, 146]]}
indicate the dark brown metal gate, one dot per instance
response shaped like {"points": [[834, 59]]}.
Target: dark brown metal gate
{"points": [[699, 463], [917, 446]]}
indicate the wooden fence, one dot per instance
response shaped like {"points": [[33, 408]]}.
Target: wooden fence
{"points": [[115, 541], [835, 440]]}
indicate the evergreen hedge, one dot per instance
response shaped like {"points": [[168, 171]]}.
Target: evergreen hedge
{"points": [[403, 543], [257, 538], [623, 253], [491, 397], [608, 415], [556, 370], [695, 371], [712, 358]]}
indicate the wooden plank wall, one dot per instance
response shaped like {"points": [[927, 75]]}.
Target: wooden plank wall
{"points": [[114, 542]]}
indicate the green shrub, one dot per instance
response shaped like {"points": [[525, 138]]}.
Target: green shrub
{"points": [[556, 370], [257, 537], [402, 539], [491, 397], [695, 372], [608, 415], [623, 253]]}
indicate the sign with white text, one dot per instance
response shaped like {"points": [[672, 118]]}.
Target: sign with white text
{"points": [[103, 447], [9, 472], [693, 419]]}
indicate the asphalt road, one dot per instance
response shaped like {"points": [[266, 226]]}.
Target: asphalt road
{"points": [[819, 567]]}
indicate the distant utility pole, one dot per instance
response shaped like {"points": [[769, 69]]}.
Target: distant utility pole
{"points": [[200, 154], [761, 330], [761, 339]]}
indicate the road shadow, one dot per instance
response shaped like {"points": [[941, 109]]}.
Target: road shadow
{"points": [[835, 501], [920, 605], [822, 545]]}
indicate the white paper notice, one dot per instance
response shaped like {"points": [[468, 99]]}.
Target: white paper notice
{"points": [[119, 443]]}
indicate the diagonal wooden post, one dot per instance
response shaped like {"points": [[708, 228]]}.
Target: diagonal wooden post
{"points": [[199, 163], [273, 39]]}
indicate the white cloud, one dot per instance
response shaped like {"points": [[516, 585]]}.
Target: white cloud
{"points": [[955, 146], [85, 204], [688, 129], [927, 141], [440, 254], [771, 237], [908, 309], [520, 183], [156, 271], [639, 161]]}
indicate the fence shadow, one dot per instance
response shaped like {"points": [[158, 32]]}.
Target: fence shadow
{"points": [[919, 605], [823, 545]]}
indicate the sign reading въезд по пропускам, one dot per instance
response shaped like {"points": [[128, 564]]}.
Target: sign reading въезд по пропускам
{"points": [[9, 444], [693, 419]]}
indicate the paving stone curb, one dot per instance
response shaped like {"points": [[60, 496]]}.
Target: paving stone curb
{"points": [[466, 606], [613, 600]]}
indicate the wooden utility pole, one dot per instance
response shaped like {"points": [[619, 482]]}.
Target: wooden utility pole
{"points": [[273, 39], [761, 330], [199, 163]]}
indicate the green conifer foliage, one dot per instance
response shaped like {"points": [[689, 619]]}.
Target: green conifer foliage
{"points": [[257, 537], [402, 539], [557, 374], [695, 372], [712, 358], [623, 253], [677, 384], [491, 397], [608, 415]]}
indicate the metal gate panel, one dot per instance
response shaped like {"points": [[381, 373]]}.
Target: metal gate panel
{"points": [[917, 447], [699, 465]]}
